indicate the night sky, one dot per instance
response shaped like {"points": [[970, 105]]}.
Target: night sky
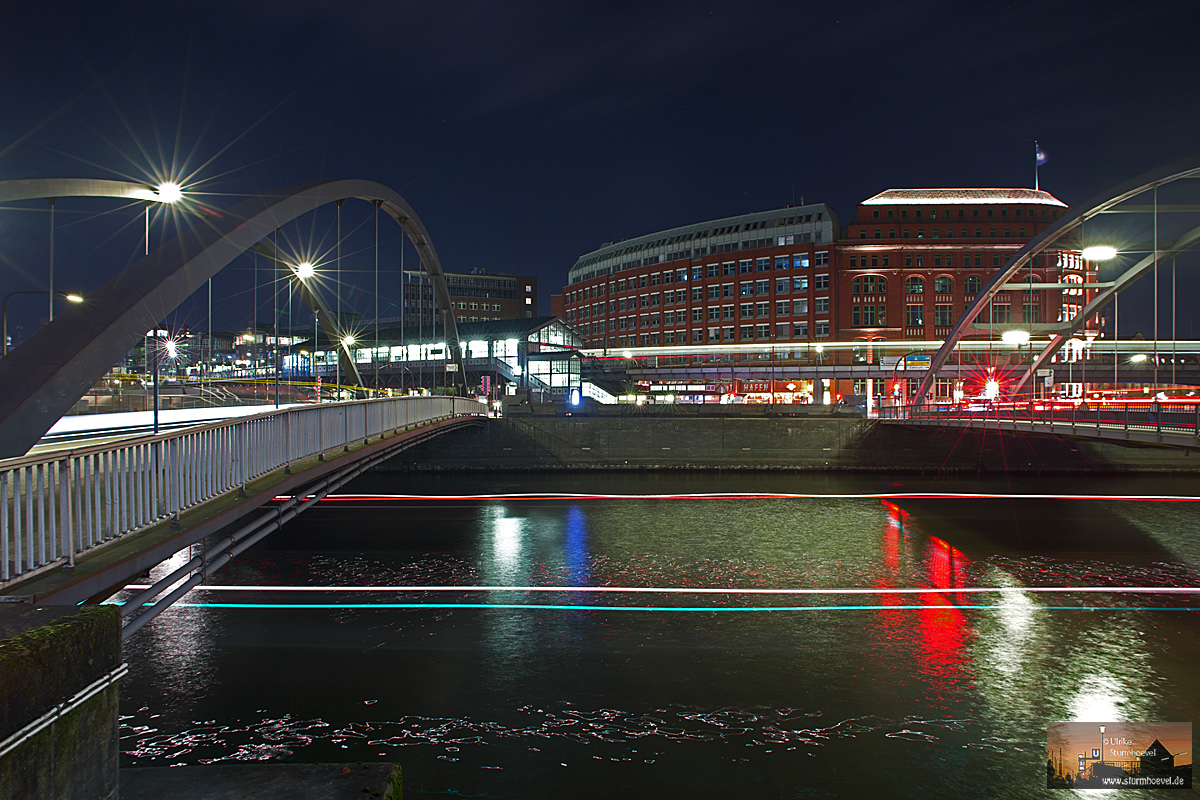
{"points": [[526, 134]]}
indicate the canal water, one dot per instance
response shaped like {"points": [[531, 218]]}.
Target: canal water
{"points": [[310, 648]]}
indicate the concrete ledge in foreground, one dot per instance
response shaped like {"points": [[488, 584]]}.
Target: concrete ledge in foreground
{"points": [[263, 782]]}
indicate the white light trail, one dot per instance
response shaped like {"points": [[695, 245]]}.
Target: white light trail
{"points": [[705, 590]]}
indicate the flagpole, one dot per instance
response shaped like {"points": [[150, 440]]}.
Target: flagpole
{"points": [[1035, 165]]}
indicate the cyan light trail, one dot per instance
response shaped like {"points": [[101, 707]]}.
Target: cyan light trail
{"points": [[657, 609]]}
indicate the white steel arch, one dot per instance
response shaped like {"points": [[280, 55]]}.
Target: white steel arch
{"points": [[51, 370], [1052, 238]]}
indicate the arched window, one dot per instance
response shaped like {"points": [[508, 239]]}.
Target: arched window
{"points": [[856, 286], [943, 284], [882, 285], [915, 285], [972, 284]]}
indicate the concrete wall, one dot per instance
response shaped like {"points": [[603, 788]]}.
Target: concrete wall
{"points": [[47, 656], [802, 443]]}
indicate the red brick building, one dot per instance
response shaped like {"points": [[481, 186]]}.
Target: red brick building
{"points": [[904, 270], [760, 277], [913, 259]]}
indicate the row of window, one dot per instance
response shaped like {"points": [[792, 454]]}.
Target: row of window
{"points": [[914, 284], [784, 331], [943, 315], [761, 310], [936, 233], [937, 260], [761, 288], [875, 315], [700, 272], [463, 306], [962, 213]]}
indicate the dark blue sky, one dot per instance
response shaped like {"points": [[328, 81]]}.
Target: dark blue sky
{"points": [[525, 134]]}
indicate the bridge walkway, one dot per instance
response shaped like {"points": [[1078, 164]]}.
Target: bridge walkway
{"points": [[1173, 424]]}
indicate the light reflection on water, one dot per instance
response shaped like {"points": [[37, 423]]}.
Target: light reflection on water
{"points": [[790, 703]]}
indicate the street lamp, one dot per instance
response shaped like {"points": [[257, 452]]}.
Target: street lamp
{"points": [[1102, 252], [168, 193], [1017, 338], [70, 296], [347, 343]]}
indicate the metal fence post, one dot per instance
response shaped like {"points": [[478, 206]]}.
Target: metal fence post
{"points": [[178, 482], [67, 531]]}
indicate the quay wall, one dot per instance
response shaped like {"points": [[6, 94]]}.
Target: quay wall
{"points": [[47, 656], [534, 442]]}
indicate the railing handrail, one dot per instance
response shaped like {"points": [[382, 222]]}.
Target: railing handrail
{"points": [[61, 503], [58, 455]]}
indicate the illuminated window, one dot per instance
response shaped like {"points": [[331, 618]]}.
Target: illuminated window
{"points": [[943, 284]]}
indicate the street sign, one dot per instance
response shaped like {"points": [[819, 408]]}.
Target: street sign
{"points": [[1043, 373]]}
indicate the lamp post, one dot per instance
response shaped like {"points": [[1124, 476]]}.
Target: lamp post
{"points": [[1017, 338], [1100, 252], [347, 343], [71, 296], [304, 271]]}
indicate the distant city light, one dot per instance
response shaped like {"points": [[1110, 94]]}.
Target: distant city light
{"points": [[169, 192], [74, 298], [305, 270], [1099, 252], [991, 389], [1138, 358], [1015, 337], [347, 340], [172, 348], [574, 397]]}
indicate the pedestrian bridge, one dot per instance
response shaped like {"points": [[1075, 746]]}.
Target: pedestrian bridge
{"points": [[1169, 423], [76, 525]]}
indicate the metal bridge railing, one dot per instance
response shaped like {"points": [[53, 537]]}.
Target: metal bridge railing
{"points": [[1178, 420], [57, 505]]}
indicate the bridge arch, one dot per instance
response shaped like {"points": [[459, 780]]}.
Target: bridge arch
{"points": [[1053, 237], [52, 369], [51, 189]]}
